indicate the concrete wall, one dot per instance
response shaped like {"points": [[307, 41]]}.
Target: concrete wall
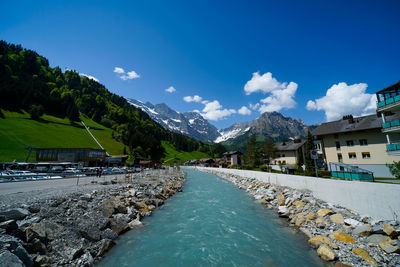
{"points": [[379, 201]]}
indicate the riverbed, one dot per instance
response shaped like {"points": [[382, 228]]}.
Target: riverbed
{"points": [[212, 223]]}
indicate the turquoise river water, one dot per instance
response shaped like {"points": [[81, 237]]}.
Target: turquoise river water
{"points": [[212, 223]]}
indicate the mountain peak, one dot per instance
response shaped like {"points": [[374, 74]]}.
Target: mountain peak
{"points": [[189, 123]]}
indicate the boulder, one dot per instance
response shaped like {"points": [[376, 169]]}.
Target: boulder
{"points": [[107, 208], [281, 199], [9, 226], [337, 218], [324, 212], [388, 247], [85, 260], [36, 246], [364, 255], [318, 240], [44, 230], [90, 233], [326, 253], [283, 211], [299, 204], [362, 230], [351, 222], [41, 260], [119, 224], [378, 228], [9, 259], [376, 239], [390, 231], [15, 214], [342, 264], [24, 256], [342, 237], [105, 246], [310, 216], [109, 234]]}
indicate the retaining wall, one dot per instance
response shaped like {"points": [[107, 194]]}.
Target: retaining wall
{"points": [[377, 200]]}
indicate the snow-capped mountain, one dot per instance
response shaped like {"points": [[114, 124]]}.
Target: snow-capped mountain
{"points": [[270, 124], [191, 124]]}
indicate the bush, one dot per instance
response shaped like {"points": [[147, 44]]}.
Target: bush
{"points": [[2, 114], [324, 173], [394, 169], [36, 111]]}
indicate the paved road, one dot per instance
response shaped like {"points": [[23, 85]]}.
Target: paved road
{"points": [[26, 186]]}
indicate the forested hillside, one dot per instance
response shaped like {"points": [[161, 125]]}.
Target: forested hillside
{"points": [[28, 82]]}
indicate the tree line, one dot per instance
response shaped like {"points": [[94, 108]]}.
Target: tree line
{"points": [[28, 83]]}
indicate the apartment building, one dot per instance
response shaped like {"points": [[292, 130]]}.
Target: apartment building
{"points": [[387, 105], [358, 142]]}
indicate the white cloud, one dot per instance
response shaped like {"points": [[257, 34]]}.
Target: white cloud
{"points": [[126, 76], [244, 111], [255, 106], [279, 99], [213, 111], [204, 102], [119, 70], [194, 98], [264, 83], [342, 99], [281, 95], [170, 89], [89, 77]]}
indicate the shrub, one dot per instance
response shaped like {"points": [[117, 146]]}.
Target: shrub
{"points": [[36, 111], [394, 169]]}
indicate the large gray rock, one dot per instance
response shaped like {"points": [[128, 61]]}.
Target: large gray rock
{"points": [[24, 256], [15, 214], [376, 239], [10, 260], [362, 230], [283, 211]]}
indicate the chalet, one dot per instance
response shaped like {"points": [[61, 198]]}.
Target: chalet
{"points": [[289, 152]]}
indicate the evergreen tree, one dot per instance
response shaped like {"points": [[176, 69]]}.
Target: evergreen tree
{"points": [[268, 151], [309, 145], [251, 155]]}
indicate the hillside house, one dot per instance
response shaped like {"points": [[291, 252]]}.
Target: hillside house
{"points": [[288, 153]]}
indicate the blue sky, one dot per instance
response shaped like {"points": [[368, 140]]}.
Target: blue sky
{"points": [[314, 60]]}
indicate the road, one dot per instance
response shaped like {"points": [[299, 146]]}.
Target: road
{"points": [[26, 186]]}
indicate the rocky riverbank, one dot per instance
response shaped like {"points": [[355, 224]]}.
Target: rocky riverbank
{"points": [[77, 227], [339, 235]]}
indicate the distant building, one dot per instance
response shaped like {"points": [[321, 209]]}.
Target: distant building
{"points": [[90, 156], [357, 142], [232, 158], [289, 152]]}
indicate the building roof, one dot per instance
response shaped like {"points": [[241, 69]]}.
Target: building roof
{"points": [[350, 124], [233, 153], [285, 146], [393, 87]]}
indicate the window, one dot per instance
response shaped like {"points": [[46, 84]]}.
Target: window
{"points": [[340, 157], [350, 143], [366, 155], [363, 142], [336, 136], [352, 155], [337, 145]]}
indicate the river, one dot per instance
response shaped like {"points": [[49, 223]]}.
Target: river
{"points": [[212, 223]]}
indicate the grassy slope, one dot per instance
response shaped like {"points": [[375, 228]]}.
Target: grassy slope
{"points": [[18, 131], [170, 153]]}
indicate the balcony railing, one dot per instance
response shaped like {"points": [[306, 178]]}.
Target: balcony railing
{"points": [[390, 124], [393, 147], [388, 101]]}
